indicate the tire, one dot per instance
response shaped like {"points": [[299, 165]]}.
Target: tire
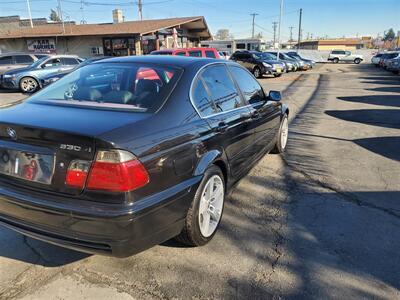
{"points": [[282, 136], [277, 75], [335, 60], [257, 72], [194, 232], [357, 61], [28, 85]]}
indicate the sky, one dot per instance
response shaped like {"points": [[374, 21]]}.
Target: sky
{"points": [[333, 18]]}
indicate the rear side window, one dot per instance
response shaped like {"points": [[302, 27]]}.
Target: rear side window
{"points": [[210, 53], [221, 87], [181, 53], [69, 61], [6, 60], [23, 59], [250, 88], [195, 53], [202, 100], [135, 86]]}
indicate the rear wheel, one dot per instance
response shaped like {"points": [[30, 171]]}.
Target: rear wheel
{"points": [[257, 72], [357, 61], [281, 140], [335, 60], [28, 85], [204, 215]]}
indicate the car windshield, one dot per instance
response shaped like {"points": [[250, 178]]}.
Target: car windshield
{"points": [[132, 86], [285, 56], [263, 56]]}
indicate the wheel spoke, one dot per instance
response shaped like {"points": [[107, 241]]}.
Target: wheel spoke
{"points": [[214, 213], [206, 222]]}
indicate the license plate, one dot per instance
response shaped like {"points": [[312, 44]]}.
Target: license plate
{"points": [[278, 70], [29, 166]]}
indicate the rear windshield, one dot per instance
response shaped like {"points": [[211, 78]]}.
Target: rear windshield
{"points": [[134, 86]]}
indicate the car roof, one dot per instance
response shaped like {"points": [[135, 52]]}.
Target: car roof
{"points": [[179, 61]]}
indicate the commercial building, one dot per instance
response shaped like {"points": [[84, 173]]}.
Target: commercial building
{"points": [[332, 44], [236, 44], [111, 39]]}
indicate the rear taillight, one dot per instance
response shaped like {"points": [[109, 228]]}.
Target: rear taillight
{"points": [[77, 173], [113, 170]]}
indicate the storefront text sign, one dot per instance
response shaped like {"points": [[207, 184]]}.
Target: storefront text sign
{"points": [[41, 45]]}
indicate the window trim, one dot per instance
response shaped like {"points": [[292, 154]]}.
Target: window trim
{"points": [[240, 91], [197, 77]]}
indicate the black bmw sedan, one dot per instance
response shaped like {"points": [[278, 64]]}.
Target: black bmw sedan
{"points": [[126, 153]]}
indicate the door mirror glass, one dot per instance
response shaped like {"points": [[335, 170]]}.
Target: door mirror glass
{"points": [[275, 96]]}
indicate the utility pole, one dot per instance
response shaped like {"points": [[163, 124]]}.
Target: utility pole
{"points": [[252, 30], [29, 11], [279, 29], [274, 26], [60, 15], [299, 38], [291, 33], [83, 21], [140, 6]]}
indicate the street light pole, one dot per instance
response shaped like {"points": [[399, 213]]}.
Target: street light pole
{"points": [[279, 29], [29, 12], [299, 37], [252, 31]]}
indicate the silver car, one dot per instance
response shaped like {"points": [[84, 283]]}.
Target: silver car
{"points": [[344, 56], [10, 61]]}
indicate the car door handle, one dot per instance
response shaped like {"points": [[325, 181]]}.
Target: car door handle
{"points": [[222, 127]]}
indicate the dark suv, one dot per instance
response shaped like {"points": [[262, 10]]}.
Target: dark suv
{"points": [[259, 63]]}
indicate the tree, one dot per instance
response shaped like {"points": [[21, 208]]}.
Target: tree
{"points": [[389, 35], [54, 16], [223, 34]]}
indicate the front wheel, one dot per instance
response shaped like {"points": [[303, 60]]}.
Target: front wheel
{"points": [[357, 61], [278, 75], [336, 60], [257, 72], [28, 85], [205, 212], [282, 137]]}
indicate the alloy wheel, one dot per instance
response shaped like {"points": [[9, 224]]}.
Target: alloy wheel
{"points": [[28, 85], [284, 132], [211, 204]]}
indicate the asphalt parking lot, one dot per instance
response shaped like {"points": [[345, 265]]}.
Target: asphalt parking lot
{"points": [[320, 222]]}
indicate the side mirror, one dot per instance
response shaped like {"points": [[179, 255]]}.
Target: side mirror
{"points": [[275, 96], [46, 66]]}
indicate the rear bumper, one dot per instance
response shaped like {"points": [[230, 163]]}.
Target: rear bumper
{"points": [[120, 231]]}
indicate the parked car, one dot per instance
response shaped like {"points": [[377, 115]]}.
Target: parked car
{"points": [[259, 63], [337, 56], [49, 79], [194, 52], [393, 65], [292, 65], [376, 59], [224, 55], [10, 61], [27, 79], [387, 60], [159, 167], [296, 55]]}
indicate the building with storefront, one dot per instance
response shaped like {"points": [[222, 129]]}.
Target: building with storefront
{"points": [[110, 39], [332, 44]]}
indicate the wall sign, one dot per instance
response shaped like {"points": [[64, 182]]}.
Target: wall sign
{"points": [[41, 45]]}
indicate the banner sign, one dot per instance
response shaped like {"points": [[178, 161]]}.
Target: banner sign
{"points": [[41, 45]]}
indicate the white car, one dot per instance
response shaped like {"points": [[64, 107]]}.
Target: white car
{"points": [[346, 56], [224, 55], [376, 59]]}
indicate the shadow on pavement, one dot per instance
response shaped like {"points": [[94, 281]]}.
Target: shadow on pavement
{"points": [[386, 89], [19, 247], [384, 100], [388, 118]]}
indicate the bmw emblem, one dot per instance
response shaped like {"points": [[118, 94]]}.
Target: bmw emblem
{"points": [[11, 133]]}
